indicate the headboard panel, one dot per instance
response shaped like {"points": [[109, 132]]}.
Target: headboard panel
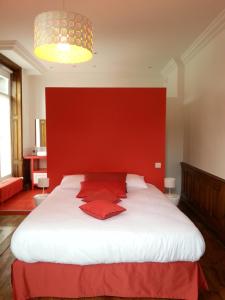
{"points": [[106, 129]]}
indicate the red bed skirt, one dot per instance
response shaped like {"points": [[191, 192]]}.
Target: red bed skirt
{"points": [[177, 280]]}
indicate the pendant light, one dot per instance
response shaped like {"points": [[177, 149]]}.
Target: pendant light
{"points": [[63, 37]]}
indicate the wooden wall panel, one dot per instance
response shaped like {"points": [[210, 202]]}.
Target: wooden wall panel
{"points": [[204, 193]]}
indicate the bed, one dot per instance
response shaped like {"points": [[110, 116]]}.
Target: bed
{"points": [[150, 250]]}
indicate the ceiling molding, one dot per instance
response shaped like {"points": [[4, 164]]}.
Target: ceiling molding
{"points": [[214, 28], [16, 52], [169, 67]]}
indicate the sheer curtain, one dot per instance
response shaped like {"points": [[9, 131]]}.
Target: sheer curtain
{"points": [[5, 128]]}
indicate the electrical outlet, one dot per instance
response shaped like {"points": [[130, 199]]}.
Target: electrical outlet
{"points": [[158, 165]]}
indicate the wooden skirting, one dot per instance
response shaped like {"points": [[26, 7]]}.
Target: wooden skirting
{"points": [[204, 193]]}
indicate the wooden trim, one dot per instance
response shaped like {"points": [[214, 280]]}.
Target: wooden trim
{"points": [[16, 115], [204, 194], [8, 63]]}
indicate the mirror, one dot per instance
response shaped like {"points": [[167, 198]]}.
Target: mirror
{"points": [[40, 133]]}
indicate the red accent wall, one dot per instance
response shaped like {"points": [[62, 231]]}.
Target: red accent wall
{"points": [[106, 129]]}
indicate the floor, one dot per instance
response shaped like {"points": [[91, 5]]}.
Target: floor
{"points": [[213, 261], [6, 257]]}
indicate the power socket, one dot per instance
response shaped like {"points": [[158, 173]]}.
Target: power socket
{"points": [[158, 165]]}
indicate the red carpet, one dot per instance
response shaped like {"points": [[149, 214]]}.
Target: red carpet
{"points": [[22, 203]]}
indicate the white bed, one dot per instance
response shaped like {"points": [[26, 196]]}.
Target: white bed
{"points": [[151, 230]]}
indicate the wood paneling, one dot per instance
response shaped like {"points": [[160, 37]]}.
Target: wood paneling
{"points": [[204, 193]]}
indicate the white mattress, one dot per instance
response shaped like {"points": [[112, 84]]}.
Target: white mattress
{"points": [[151, 230]]}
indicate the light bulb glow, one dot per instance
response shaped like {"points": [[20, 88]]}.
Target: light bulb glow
{"points": [[63, 47]]}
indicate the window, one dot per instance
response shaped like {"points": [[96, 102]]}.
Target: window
{"points": [[11, 147], [5, 126]]}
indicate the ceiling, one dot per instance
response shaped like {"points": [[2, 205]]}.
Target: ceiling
{"points": [[130, 36]]}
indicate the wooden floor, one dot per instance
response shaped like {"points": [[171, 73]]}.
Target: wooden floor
{"points": [[213, 262]]}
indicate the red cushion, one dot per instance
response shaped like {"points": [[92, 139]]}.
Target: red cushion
{"points": [[105, 176], [103, 194], [89, 187], [100, 209], [9, 187]]}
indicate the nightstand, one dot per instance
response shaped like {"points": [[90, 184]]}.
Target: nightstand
{"points": [[174, 198], [39, 198]]}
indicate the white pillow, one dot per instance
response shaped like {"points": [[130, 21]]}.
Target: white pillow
{"points": [[71, 181], [137, 181]]}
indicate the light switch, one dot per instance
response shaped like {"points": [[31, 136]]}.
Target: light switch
{"points": [[158, 165]]}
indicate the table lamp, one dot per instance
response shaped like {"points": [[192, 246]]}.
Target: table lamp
{"points": [[43, 183], [169, 185]]}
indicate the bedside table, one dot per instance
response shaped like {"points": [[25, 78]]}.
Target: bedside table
{"points": [[174, 198], [39, 198]]}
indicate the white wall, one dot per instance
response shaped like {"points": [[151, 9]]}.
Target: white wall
{"points": [[174, 123], [27, 115], [204, 108], [174, 139]]}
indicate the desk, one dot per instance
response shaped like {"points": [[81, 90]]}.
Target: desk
{"points": [[35, 169]]}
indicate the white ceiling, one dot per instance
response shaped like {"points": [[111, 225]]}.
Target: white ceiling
{"points": [[135, 36]]}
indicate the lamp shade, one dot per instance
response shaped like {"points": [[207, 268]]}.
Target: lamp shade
{"points": [[169, 182], [64, 37], [43, 182]]}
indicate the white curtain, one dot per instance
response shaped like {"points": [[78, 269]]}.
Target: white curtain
{"points": [[5, 129]]}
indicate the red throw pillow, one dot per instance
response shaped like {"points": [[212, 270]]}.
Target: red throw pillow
{"points": [[90, 187], [104, 195], [101, 209], [106, 176]]}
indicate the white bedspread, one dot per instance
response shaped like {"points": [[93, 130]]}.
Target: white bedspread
{"points": [[151, 230]]}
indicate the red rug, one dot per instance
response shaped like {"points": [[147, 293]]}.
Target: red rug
{"points": [[22, 203]]}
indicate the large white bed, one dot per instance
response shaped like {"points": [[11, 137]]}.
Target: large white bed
{"points": [[151, 230], [150, 250]]}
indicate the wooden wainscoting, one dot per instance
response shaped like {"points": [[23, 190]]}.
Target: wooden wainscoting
{"points": [[204, 193]]}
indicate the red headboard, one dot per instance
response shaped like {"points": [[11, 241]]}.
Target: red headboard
{"points": [[106, 129]]}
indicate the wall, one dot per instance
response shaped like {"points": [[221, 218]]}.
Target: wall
{"points": [[173, 80], [174, 129], [28, 115], [106, 130], [196, 105], [34, 92], [204, 108]]}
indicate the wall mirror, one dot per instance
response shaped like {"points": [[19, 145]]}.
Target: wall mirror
{"points": [[40, 133]]}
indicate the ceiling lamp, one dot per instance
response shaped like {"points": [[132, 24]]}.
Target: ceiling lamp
{"points": [[63, 37]]}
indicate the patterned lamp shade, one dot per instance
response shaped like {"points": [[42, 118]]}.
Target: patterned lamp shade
{"points": [[64, 37]]}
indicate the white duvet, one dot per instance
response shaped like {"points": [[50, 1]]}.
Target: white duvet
{"points": [[151, 230]]}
